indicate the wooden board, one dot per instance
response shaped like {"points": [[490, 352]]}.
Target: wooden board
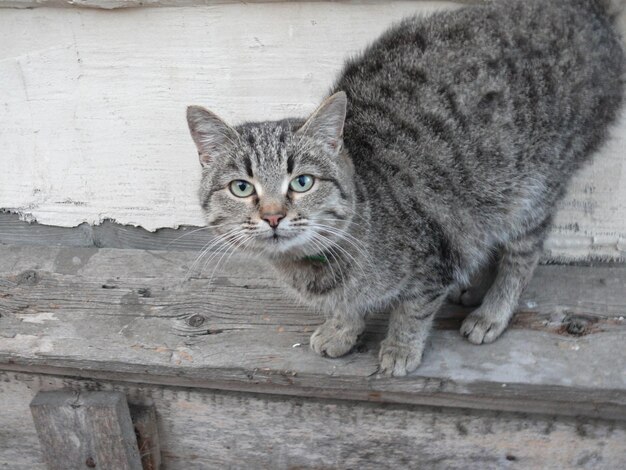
{"points": [[93, 124], [108, 234], [206, 429], [130, 315], [80, 429]]}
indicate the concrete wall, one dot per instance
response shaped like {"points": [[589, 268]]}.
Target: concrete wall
{"points": [[92, 106]]}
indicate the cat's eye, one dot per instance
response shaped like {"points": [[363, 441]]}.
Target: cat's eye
{"points": [[241, 188], [302, 183]]}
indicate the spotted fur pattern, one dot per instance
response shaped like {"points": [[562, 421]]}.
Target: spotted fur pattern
{"points": [[445, 143]]}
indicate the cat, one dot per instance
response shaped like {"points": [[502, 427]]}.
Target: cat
{"points": [[446, 142]]}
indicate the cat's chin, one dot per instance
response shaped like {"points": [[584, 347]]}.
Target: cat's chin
{"points": [[285, 245], [282, 246]]}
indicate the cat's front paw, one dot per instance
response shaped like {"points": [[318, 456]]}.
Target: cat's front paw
{"points": [[483, 327], [334, 339], [398, 359]]}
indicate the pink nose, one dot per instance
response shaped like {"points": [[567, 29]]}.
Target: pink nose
{"points": [[273, 219]]}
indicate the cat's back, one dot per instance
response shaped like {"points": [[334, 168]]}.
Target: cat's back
{"points": [[505, 76]]}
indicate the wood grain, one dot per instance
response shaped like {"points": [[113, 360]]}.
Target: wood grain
{"points": [[85, 430], [14, 231], [129, 315], [209, 429]]}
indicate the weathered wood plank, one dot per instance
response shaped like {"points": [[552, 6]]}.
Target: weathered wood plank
{"points": [[85, 430], [14, 231], [207, 429], [129, 315]]}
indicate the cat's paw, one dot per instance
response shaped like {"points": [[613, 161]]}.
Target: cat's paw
{"points": [[398, 359], [334, 339], [481, 327]]}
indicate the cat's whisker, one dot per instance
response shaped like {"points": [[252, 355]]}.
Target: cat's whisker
{"points": [[345, 252], [232, 238], [319, 245], [229, 245], [209, 245], [356, 214], [201, 252], [356, 244], [209, 227], [327, 246], [235, 245], [319, 241], [346, 221]]}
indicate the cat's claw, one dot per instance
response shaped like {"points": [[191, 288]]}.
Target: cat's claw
{"points": [[480, 327], [333, 339], [398, 359]]}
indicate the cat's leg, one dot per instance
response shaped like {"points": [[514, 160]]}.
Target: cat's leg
{"points": [[472, 295], [518, 262], [409, 325], [338, 335]]}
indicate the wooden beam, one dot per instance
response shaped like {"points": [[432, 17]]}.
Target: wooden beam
{"points": [[85, 430], [211, 429], [129, 315], [109, 234]]}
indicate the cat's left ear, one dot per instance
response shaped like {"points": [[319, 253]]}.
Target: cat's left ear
{"points": [[326, 124], [213, 137]]}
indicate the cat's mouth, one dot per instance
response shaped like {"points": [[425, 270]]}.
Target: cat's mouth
{"points": [[279, 242], [280, 237]]}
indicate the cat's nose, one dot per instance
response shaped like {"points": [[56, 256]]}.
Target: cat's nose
{"points": [[273, 219]]}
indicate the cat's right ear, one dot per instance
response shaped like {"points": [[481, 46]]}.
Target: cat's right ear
{"points": [[325, 125], [213, 137]]}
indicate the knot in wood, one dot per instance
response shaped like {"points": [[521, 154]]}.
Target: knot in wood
{"points": [[576, 326], [28, 278], [195, 320], [90, 462]]}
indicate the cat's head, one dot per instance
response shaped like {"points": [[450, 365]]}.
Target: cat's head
{"points": [[277, 187]]}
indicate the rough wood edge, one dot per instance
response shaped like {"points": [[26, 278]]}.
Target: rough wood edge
{"points": [[145, 422], [544, 399], [118, 4], [110, 234]]}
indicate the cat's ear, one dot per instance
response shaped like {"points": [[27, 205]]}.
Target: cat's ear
{"points": [[213, 137], [326, 124]]}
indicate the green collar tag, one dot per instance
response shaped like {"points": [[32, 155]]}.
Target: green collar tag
{"points": [[316, 258]]}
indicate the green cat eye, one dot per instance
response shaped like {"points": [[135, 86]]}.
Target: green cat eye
{"points": [[302, 183], [241, 188]]}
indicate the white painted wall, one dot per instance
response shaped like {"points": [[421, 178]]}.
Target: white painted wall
{"points": [[92, 107]]}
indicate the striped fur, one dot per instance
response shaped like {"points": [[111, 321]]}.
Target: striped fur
{"points": [[461, 132]]}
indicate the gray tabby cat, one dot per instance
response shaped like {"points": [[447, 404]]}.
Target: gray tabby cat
{"points": [[447, 141]]}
